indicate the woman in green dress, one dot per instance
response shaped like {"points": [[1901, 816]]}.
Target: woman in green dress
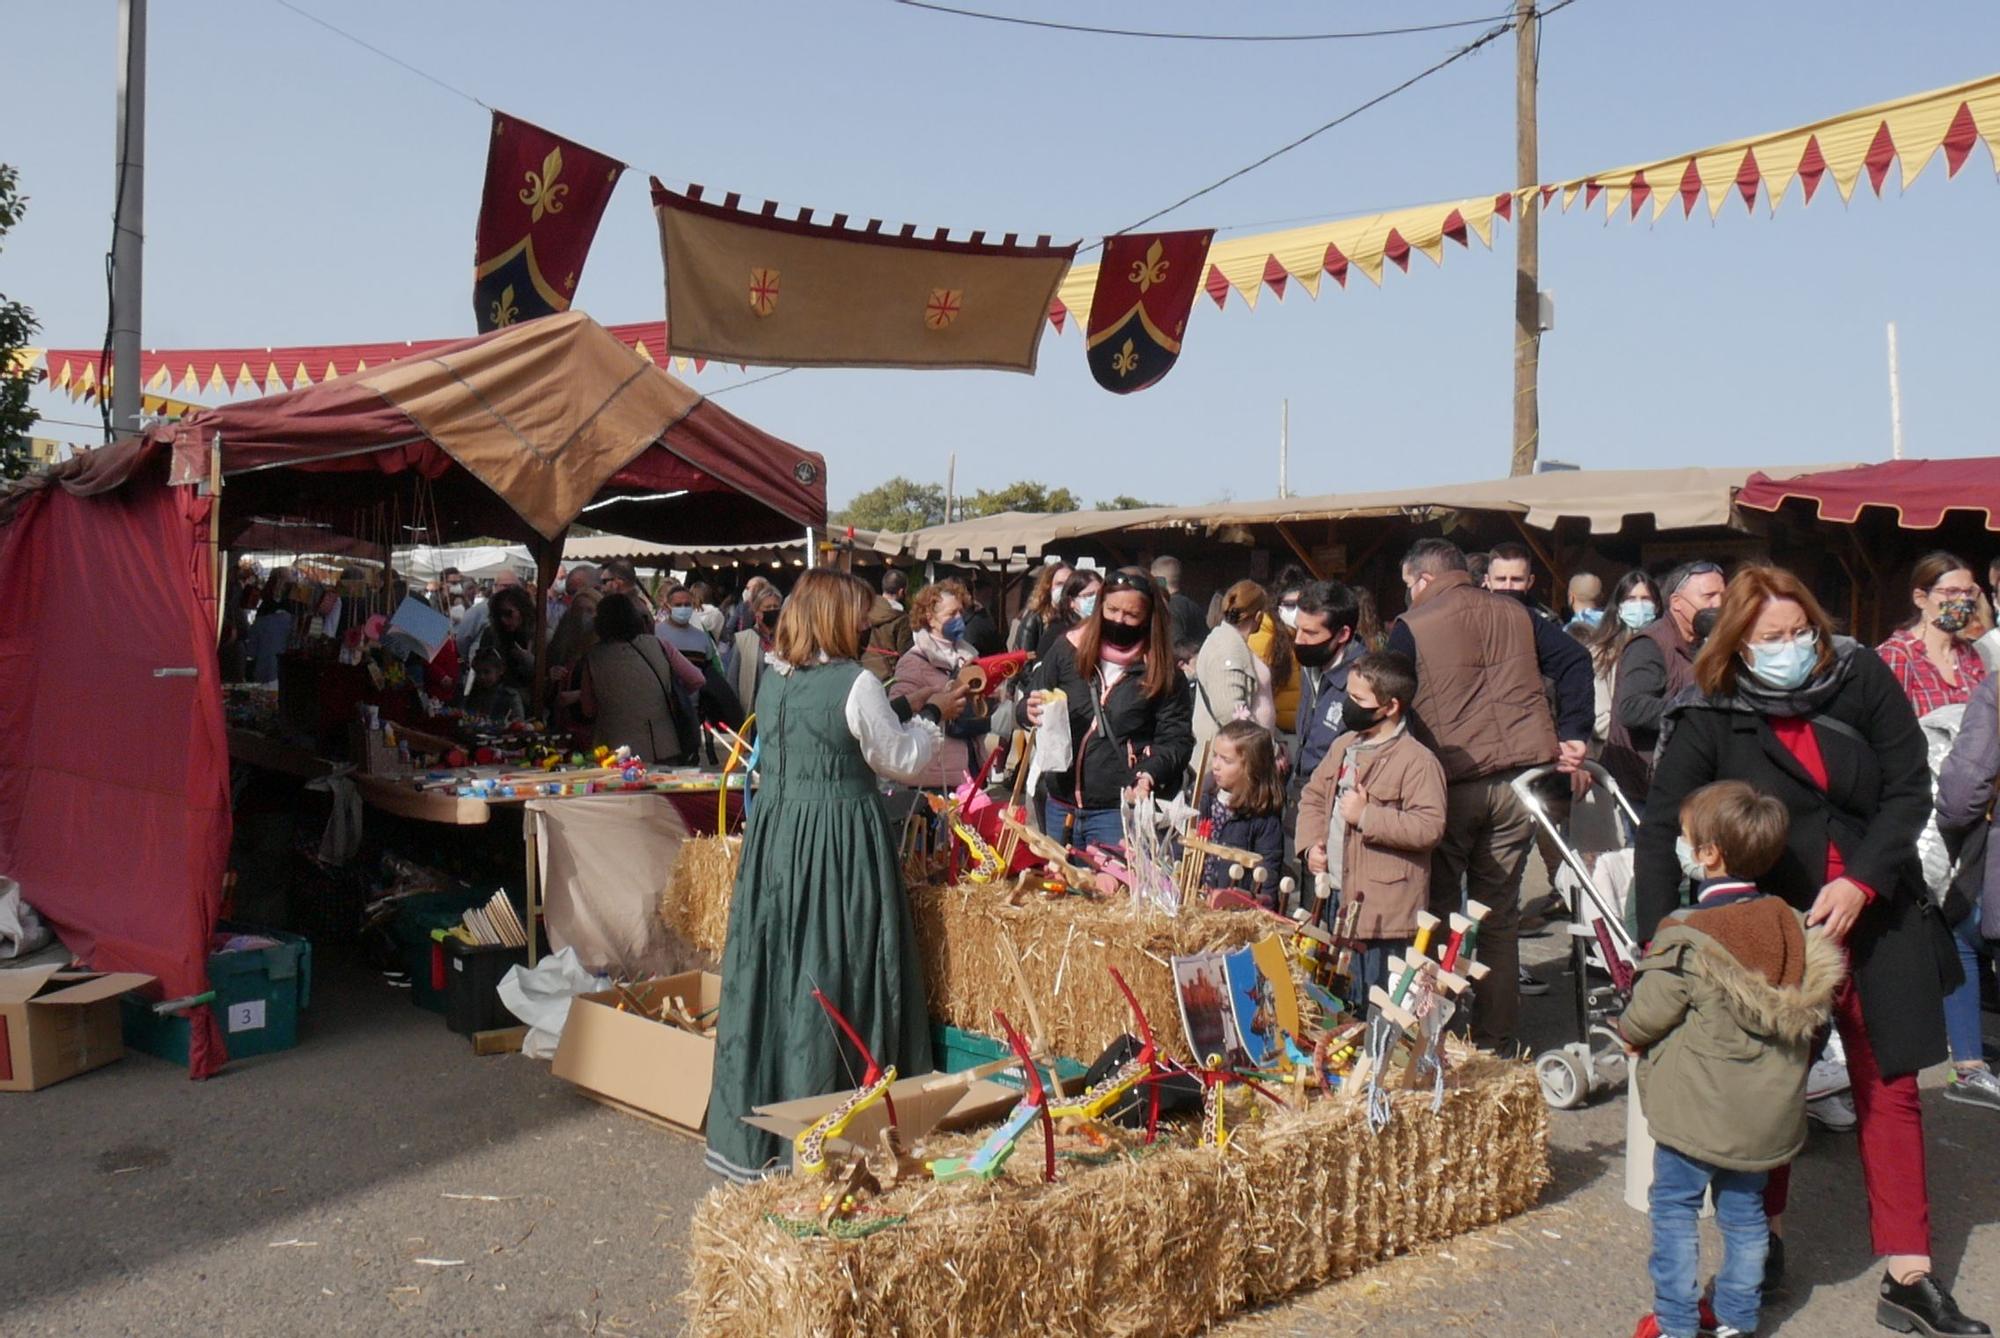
{"points": [[819, 900]]}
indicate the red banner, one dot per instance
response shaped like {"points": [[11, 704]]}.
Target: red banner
{"points": [[539, 213], [1139, 310]]}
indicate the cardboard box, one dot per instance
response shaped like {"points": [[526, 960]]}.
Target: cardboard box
{"points": [[55, 1024], [637, 1063]]}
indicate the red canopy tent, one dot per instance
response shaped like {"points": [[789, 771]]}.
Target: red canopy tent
{"points": [[114, 767], [1918, 492]]}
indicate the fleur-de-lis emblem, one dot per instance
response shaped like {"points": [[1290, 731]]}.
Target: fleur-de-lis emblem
{"points": [[503, 311], [543, 193], [1127, 360], [1153, 269]]}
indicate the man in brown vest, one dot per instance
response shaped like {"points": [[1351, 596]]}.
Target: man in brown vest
{"points": [[1653, 669], [1481, 706]]}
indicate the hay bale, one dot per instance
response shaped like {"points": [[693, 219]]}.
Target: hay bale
{"points": [[963, 935], [695, 904], [1162, 1245]]}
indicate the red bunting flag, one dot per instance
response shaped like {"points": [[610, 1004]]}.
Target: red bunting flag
{"points": [[1139, 310], [544, 196]]}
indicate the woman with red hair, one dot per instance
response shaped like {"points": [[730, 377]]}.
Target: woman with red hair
{"points": [[1820, 722]]}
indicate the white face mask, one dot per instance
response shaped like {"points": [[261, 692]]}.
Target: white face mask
{"points": [[1288, 614], [1689, 864]]}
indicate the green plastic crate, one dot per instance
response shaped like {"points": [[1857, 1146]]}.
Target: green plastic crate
{"points": [[953, 1048], [411, 930], [259, 994]]}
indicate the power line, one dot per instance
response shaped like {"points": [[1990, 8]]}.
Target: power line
{"points": [[1192, 37], [1492, 34], [738, 385], [370, 46]]}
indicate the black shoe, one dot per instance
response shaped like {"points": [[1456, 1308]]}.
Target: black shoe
{"points": [[1774, 1267], [1923, 1306], [1531, 986]]}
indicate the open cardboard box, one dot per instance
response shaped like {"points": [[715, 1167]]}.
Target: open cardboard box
{"points": [[663, 1073], [55, 1024], [640, 1064]]}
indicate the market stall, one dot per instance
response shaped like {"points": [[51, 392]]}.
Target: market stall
{"points": [[115, 556]]}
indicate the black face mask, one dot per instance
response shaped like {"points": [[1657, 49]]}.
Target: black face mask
{"points": [[1316, 657], [1358, 718], [768, 618], [1124, 635]]}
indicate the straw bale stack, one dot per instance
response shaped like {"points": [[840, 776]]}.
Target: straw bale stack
{"points": [[1163, 1244]]}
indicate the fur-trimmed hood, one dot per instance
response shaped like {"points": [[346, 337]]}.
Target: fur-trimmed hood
{"points": [[1781, 989]]}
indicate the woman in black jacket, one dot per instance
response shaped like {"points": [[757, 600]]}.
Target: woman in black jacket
{"points": [[1821, 723], [1130, 713]]}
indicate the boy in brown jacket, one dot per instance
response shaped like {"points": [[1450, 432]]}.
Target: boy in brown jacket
{"points": [[1724, 1011], [1373, 811]]}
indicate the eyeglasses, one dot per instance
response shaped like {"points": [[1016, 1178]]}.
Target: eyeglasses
{"points": [[1804, 636], [1954, 591], [1125, 579]]}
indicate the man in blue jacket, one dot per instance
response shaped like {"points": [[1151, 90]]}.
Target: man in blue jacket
{"points": [[1325, 647]]}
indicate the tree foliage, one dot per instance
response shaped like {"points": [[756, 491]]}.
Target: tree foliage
{"points": [[1025, 495], [17, 327], [1122, 502], [899, 504]]}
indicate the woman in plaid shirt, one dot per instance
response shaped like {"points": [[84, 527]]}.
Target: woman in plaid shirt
{"points": [[1938, 666], [1931, 658]]}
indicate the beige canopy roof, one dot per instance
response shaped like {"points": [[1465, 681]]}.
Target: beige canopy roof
{"points": [[1675, 499]]}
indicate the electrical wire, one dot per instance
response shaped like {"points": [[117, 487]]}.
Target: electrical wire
{"points": [[738, 385], [1193, 37], [370, 46], [1490, 35]]}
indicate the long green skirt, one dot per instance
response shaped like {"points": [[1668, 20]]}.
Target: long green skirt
{"points": [[819, 903]]}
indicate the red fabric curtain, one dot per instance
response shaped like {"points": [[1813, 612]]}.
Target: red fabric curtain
{"points": [[114, 769]]}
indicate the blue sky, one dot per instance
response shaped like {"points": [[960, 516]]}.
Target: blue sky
{"points": [[301, 190]]}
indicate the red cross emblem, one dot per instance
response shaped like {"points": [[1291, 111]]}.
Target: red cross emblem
{"points": [[763, 291], [943, 307]]}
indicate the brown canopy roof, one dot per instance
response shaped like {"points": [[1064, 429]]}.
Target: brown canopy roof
{"points": [[515, 432]]}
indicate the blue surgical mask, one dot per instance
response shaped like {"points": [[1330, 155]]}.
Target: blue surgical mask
{"points": [[1085, 605], [1689, 865], [954, 627], [682, 614], [1590, 617], [1787, 664], [1636, 613]]}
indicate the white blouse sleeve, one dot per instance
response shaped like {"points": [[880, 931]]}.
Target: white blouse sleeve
{"points": [[898, 751]]}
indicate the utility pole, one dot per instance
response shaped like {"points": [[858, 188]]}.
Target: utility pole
{"points": [[1284, 448], [950, 487], [128, 237], [1527, 243], [1895, 399]]}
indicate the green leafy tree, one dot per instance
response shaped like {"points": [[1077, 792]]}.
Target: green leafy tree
{"points": [[17, 327], [1022, 496], [1124, 503], [899, 504]]}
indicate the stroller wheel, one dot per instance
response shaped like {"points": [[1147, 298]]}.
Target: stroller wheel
{"points": [[1565, 1078]]}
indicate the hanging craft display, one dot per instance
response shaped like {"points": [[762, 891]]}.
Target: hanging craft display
{"points": [[1146, 285], [537, 217], [757, 288]]}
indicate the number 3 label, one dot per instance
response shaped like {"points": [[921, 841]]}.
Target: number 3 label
{"points": [[247, 1016]]}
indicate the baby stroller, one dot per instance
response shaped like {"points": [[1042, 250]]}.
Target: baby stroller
{"points": [[1603, 950]]}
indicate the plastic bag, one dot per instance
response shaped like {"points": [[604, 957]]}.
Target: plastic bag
{"points": [[540, 995], [21, 930], [1052, 740]]}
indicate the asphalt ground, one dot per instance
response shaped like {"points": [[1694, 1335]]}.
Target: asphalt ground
{"points": [[381, 1180]]}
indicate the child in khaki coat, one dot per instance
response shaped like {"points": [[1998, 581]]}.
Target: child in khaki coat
{"points": [[1373, 811]]}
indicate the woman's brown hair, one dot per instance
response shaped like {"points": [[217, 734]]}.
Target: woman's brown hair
{"points": [[1246, 598], [824, 616], [1263, 792], [924, 603], [1161, 668], [1748, 592]]}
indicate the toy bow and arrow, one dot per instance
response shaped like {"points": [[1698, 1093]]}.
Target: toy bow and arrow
{"points": [[809, 1148]]}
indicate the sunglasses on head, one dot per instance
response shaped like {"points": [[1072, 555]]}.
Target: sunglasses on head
{"points": [[1123, 579]]}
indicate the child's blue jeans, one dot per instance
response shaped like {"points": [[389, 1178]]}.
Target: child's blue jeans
{"points": [[1678, 1185]]}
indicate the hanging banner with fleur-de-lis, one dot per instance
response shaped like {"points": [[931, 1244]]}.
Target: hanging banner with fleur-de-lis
{"points": [[753, 287], [544, 197], [1139, 312]]}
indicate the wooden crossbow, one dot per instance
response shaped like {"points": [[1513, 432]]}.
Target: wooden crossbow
{"points": [[809, 1148], [992, 1155]]}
